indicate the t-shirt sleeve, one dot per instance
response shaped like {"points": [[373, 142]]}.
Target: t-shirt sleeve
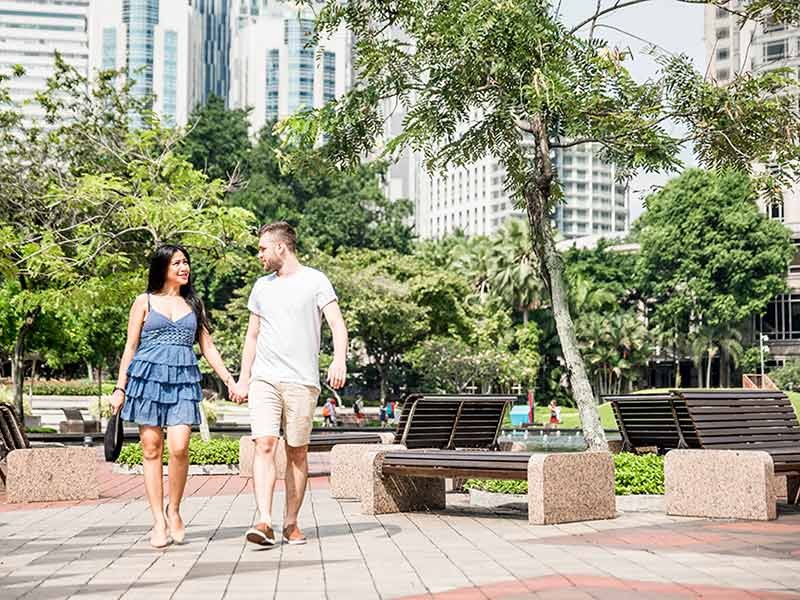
{"points": [[252, 302], [325, 292]]}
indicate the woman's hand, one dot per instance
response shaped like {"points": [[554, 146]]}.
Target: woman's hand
{"points": [[117, 400]]}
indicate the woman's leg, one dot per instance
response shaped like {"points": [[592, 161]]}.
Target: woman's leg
{"points": [[152, 439], [178, 443]]}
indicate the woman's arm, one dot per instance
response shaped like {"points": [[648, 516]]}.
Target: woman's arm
{"points": [[214, 359], [135, 321]]}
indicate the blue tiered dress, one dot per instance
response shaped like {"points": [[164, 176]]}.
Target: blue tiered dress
{"points": [[163, 378]]}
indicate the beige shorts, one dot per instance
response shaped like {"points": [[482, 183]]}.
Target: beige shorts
{"points": [[290, 405]]}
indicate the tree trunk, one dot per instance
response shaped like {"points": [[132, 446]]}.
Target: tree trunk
{"points": [[19, 361], [581, 388], [382, 374], [700, 366], [538, 204], [525, 316], [89, 372], [708, 372]]}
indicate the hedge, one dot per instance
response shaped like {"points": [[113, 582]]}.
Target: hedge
{"points": [[217, 451], [75, 387], [633, 474]]}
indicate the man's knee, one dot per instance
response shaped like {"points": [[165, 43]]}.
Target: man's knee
{"points": [[266, 445], [296, 454]]}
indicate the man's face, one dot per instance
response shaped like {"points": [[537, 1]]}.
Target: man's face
{"points": [[270, 252]]}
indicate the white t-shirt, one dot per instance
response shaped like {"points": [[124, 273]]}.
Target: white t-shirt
{"points": [[290, 312]]}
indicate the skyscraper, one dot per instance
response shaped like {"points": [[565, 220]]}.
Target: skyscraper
{"points": [[31, 31], [211, 47], [151, 41], [274, 70]]}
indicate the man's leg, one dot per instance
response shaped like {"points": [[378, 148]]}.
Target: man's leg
{"points": [[265, 419], [299, 402], [296, 480]]}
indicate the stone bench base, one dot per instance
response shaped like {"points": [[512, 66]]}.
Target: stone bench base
{"points": [[562, 488], [347, 471], [51, 474], [726, 484], [247, 450]]}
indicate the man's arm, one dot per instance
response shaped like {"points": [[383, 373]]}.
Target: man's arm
{"points": [[248, 354], [337, 372]]}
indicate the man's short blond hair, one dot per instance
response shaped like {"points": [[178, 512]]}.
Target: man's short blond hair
{"points": [[283, 231]]}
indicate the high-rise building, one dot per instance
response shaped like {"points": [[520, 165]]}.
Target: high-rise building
{"points": [[31, 31], [274, 70], [151, 41], [757, 47], [211, 48], [473, 199]]}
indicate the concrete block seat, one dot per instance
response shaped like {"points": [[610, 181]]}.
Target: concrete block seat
{"points": [[320, 442], [562, 487], [43, 474]]}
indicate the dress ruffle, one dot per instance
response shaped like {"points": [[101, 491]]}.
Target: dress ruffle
{"points": [[169, 373], [146, 412]]}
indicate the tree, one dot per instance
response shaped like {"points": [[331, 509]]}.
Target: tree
{"points": [[709, 341], [514, 275], [218, 142], [86, 201], [708, 256], [510, 79]]}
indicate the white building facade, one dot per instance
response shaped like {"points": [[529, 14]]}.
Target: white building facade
{"points": [[473, 199], [31, 31], [759, 47], [273, 70], [151, 41]]}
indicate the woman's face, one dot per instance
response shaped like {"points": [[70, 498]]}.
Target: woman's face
{"points": [[178, 270]]}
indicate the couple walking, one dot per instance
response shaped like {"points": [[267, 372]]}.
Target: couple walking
{"points": [[159, 382]]}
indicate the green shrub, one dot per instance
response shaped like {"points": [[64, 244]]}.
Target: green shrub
{"points": [[75, 387], [217, 451], [103, 411], [7, 397], [633, 474], [210, 408], [787, 378], [638, 474], [40, 430]]}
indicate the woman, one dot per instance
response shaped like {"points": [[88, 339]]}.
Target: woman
{"points": [[555, 414], [159, 382]]}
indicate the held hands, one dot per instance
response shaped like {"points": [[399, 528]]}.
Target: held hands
{"points": [[237, 391], [117, 400], [337, 374]]}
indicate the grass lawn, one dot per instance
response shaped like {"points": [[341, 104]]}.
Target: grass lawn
{"points": [[570, 418]]}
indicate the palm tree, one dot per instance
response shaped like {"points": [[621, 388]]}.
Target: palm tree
{"points": [[708, 341], [514, 274]]}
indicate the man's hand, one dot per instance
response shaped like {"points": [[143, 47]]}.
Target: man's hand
{"points": [[337, 374]]}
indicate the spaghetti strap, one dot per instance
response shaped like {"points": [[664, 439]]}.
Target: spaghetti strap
{"points": [[148, 301]]}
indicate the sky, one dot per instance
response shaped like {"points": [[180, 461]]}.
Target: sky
{"points": [[673, 25]]}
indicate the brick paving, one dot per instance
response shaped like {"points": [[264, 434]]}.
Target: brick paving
{"points": [[100, 550]]}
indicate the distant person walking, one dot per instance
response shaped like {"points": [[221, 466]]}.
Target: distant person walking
{"points": [[329, 413], [555, 415], [382, 418], [358, 412], [280, 371], [158, 384]]}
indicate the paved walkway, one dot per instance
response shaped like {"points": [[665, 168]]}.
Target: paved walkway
{"points": [[100, 550]]}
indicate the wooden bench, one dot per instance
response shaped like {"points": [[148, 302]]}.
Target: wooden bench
{"points": [[653, 421], [456, 436], [75, 423]]}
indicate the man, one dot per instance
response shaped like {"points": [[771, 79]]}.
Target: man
{"points": [[280, 371]]}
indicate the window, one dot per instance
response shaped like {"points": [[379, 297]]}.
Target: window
{"points": [[328, 76], [723, 74], [776, 50], [771, 24], [723, 53], [776, 211], [170, 75], [723, 33], [271, 83], [781, 321], [722, 13], [109, 48]]}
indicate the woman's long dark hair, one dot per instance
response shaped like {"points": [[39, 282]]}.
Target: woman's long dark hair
{"points": [[157, 277]]}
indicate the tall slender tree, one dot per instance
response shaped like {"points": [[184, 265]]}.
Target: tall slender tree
{"points": [[510, 78]]}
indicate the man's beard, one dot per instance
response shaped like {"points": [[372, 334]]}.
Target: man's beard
{"points": [[273, 264]]}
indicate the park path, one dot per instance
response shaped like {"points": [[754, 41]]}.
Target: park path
{"points": [[100, 550]]}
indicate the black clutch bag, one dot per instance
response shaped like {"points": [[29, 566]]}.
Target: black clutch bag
{"points": [[112, 441]]}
